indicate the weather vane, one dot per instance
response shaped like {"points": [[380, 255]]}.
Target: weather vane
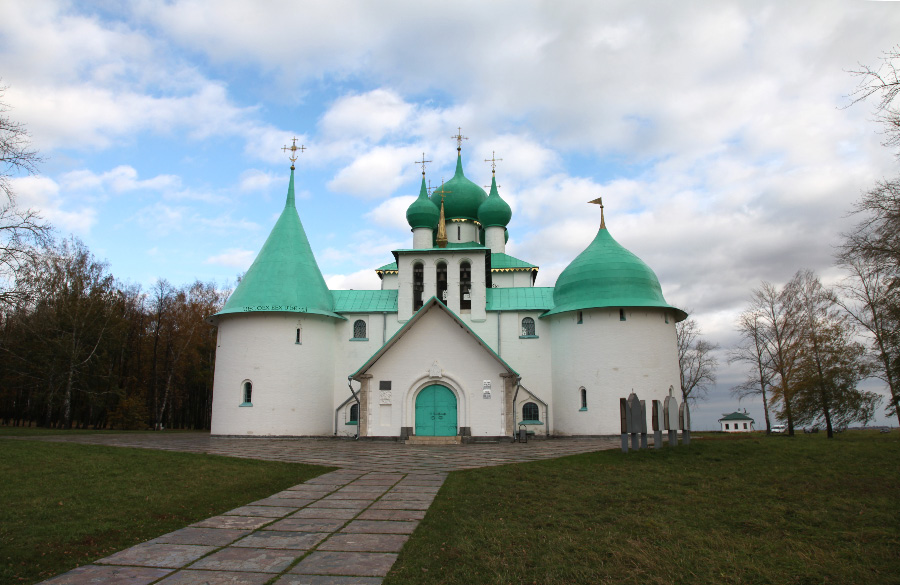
{"points": [[459, 138], [422, 162], [599, 201], [493, 160], [294, 148]]}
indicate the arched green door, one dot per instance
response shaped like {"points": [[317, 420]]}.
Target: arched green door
{"points": [[436, 412]]}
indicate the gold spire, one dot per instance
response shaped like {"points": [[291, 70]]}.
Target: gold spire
{"points": [[599, 201], [441, 238], [493, 160], [293, 148], [422, 162], [459, 138]]}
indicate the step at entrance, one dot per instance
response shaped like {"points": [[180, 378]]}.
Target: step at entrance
{"points": [[416, 440]]}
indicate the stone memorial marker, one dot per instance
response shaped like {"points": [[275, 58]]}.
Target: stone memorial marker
{"points": [[684, 414], [623, 415], [634, 420], [670, 409], [643, 424], [658, 424]]}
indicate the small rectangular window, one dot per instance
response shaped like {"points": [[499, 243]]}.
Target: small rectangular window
{"points": [[384, 385], [297, 340], [580, 316], [621, 314], [726, 426]]}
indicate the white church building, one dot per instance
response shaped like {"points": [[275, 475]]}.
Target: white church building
{"points": [[457, 342]]}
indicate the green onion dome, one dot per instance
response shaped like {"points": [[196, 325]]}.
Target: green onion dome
{"points": [[605, 274], [422, 213], [463, 197], [494, 211]]}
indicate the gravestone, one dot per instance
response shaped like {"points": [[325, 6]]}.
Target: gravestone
{"points": [[684, 414], [670, 408], [635, 422], [623, 416], [658, 424], [643, 424]]}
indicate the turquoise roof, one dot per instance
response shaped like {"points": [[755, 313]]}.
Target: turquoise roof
{"points": [[463, 197], [605, 274], [284, 277], [520, 299], [736, 416], [423, 213], [392, 267], [494, 211], [365, 301], [505, 261]]}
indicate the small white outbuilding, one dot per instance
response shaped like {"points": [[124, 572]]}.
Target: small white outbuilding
{"points": [[737, 422]]}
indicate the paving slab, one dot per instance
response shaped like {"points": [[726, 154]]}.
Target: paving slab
{"points": [[306, 525], [353, 487], [259, 560], [380, 527], [203, 536], [192, 577], [109, 575], [401, 505], [326, 513], [282, 539], [346, 563], [355, 504], [342, 495], [282, 502], [239, 522], [371, 514], [365, 542], [169, 556], [408, 496], [263, 511]]}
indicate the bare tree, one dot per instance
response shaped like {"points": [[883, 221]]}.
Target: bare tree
{"points": [[21, 231], [883, 81], [752, 350], [696, 361]]}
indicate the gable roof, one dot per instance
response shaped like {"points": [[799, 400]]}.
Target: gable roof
{"points": [[432, 304], [736, 416]]}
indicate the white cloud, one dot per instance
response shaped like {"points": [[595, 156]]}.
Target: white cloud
{"points": [[120, 179], [369, 116], [375, 174], [43, 195], [256, 180], [360, 280], [233, 258], [391, 213]]}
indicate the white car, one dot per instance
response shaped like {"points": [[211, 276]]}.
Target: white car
{"points": [[779, 428]]}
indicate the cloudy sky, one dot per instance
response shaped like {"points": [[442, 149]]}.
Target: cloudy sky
{"points": [[717, 133]]}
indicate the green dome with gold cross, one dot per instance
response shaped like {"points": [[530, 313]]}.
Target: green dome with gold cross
{"points": [[462, 197]]}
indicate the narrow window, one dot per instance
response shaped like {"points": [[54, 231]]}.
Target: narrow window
{"points": [[726, 426], [527, 327], [745, 425], [579, 317], [530, 412], [359, 329], [248, 391], [297, 340], [621, 314], [418, 285], [354, 415], [583, 399], [465, 286], [458, 233], [442, 282], [667, 318]]}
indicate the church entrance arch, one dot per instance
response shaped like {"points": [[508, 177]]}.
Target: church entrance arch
{"points": [[436, 412]]}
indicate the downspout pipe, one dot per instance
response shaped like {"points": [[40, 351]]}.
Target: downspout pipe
{"points": [[358, 407], [515, 395]]}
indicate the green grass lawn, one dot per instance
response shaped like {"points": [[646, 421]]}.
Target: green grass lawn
{"points": [[65, 505], [736, 510]]}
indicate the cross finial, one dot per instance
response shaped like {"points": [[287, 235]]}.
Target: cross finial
{"points": [[493, 160], [422, 162], [599, 201], [294, 148], [459, 138], [443, 191]]}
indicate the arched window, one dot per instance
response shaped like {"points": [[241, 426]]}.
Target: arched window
{"points": [[528, 327], [442, 282], [530, 412], [247, 393], [465, 285], [354, 415], [583, 399], [418, 285], [359, 329]]}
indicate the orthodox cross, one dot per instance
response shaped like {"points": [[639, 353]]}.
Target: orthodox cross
{"points": [[459, 138], [422, 162], [493, 160], [294, 148], [599, 201]]}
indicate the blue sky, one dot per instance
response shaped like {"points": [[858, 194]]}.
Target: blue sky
{"points": [[716, 132]]}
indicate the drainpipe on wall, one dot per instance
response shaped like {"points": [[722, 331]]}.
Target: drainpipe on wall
{"points": [[513, 413], [359, 413]]}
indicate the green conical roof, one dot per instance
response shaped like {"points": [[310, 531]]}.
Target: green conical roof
{"points": [[494, 211], [608, 275], [463, 197], [284, 276], [423, 213]]}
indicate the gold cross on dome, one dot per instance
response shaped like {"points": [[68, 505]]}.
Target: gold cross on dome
{"points": [[599, 201], [294, 148], [443, 191], [493, 160], [422, 162], [459, 138]]}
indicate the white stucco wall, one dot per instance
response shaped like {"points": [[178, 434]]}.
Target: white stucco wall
{"points": [[464, 365], [495, 239], [292, 383], [737, 426], [610, 359]]}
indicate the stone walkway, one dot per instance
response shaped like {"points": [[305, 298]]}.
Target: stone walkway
{"points": [[342, 528]]}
